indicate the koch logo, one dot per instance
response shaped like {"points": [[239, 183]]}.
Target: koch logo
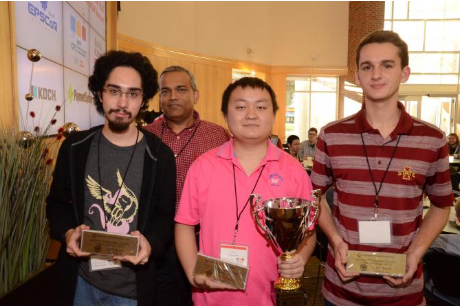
{"points": [[77, 27], [77, 96], [42, 15], [43, 93]]}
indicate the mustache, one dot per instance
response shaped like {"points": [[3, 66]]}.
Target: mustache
{"points": [[120, 110]]}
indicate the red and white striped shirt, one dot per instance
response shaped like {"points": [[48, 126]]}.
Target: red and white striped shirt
{"points": [[190, 143], [420, 164]]}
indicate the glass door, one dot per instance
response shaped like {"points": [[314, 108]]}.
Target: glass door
{"points": [[438, 110]]}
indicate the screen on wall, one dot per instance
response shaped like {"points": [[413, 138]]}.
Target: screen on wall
{"points": [[70, 36]]}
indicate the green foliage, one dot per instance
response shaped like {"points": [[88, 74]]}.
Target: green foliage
{"points": [[25, 177]]}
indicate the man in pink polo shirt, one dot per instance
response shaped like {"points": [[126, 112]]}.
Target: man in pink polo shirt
{"points": [[216, 196]]}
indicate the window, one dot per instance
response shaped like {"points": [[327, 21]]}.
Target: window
{"points": [[238, 74], [310, 102], [430, 30]]}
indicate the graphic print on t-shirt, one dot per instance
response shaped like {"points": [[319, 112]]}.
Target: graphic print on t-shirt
{"points": [[119, 208]]}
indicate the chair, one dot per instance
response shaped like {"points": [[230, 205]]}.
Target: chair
{"points": [[441, 270], [455, 181]]}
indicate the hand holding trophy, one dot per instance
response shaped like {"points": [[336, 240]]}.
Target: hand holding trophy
{"points": [[286, 221]]}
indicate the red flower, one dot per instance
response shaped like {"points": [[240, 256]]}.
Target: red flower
{"points": [[60, 130], [53, 121], [59, 136], [58, 108], [49, 161], [32, 114], [36, 129]]}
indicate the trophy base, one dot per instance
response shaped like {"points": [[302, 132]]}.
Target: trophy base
{"points": [[287, 284], [296, 297]]}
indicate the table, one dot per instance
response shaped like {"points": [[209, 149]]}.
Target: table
{"points": [[453, 162]]}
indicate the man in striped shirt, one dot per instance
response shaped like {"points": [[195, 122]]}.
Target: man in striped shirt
{"points": [[381, 161]]}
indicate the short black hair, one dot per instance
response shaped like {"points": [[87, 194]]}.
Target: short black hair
{"points": [[244, 82], [105, 64], [291, 139], [380, 37]]}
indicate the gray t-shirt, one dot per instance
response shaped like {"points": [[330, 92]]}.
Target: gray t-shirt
{"points": [[112, 206]]}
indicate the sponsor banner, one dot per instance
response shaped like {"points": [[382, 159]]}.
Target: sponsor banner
{"points": [[39, 26], [76, 37], [97, 16], [36, 116], [81, 7], [96, 48], [78, 99]]}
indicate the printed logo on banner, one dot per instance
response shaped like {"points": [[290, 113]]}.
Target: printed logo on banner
{"points": [[43, 93], [42, 15], [98, 8], [78, 30], [77, 96], [98, 48]]}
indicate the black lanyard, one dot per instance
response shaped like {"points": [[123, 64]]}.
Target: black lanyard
{"points": [[377, 191], [124, 176], [193, 134], [238, 215]]}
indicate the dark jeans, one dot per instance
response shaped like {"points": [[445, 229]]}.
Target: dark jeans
{"points": [[173, 287]]}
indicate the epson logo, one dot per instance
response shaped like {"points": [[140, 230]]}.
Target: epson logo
{"points": [[43, 93], [42, 16]]}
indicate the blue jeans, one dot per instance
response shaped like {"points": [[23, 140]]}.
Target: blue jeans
{"points": [[88, 295]]}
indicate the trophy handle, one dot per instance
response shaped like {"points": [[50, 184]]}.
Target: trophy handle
{"points": [[316, 196], [256, 210]]}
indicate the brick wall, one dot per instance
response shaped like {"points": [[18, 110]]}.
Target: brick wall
{"points": [[364, 17]]}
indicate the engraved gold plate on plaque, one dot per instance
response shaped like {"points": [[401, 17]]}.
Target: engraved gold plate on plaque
{"points": [[103, 243], [221, 271], [376, 263]]}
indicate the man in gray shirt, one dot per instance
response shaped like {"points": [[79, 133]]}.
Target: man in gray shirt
{"points": [[307, 147], [113, 178]]}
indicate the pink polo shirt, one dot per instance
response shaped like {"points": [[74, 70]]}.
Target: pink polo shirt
{"points": [[208, 199]]}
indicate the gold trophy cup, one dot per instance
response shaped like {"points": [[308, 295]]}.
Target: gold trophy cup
{"points": [[286, 221]]}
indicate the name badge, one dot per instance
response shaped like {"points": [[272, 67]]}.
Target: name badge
{"points": [[237, 254], [374, 232], [103, 262]]}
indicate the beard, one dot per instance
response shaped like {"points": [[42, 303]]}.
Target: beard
{"points": [[118, 125]]}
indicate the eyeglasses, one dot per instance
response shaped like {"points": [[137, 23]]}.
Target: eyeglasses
{"points": [[311, 134], [132, 94]]}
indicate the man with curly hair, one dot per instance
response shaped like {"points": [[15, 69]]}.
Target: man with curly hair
{"points": [[113, 178]]}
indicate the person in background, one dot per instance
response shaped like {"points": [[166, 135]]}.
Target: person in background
{"points": [[217, 192], [453, 143], [457, 211], [381, 161], [114, 178], [307, 147], [293, 143], [181, 128]]}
